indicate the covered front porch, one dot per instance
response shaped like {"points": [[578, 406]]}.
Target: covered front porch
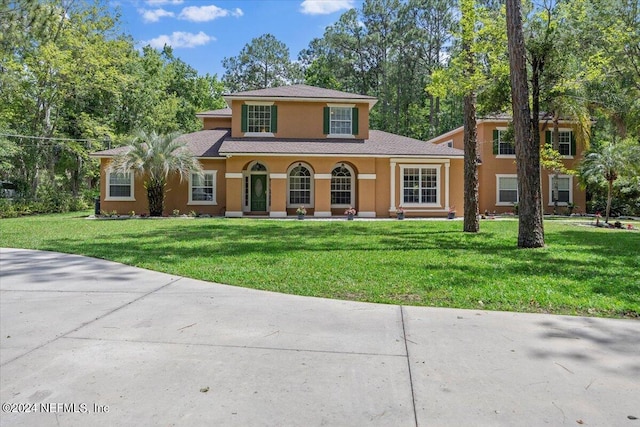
{"points": [[278, 186]]}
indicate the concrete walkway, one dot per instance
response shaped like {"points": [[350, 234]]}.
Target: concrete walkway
{"points": [[91, 342]]}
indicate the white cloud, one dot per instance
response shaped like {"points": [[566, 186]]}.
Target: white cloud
{"points": [[325, 7], [154, 15], [161, 2], [180, 39], [207, 13]]}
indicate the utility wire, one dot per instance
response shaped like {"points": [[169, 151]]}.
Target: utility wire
{"points": [[50, 138]]}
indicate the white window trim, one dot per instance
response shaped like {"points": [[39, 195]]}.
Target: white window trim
{"points": [[311, 190], [108, 198], [341, 135], [505, 175], [215, 189], [503, 156], [267, 134], [353, 185], [567, 157], [246, 174], [260, 104], [551, 176], [438, 168]]}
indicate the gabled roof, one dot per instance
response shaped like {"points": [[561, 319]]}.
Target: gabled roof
{"points": [[222, 112], [300, 93], [379, 144], [204, 143]]}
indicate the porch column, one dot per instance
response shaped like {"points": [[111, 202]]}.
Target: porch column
{"points": [[392, 208], [446, 185], [278, 186], [234, 194], [322, 194]]}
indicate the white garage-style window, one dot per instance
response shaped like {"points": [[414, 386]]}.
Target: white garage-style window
{"points": [[119, 186], [506, 190], [342, 187], [202, 188], [420, 185], [564, 190], [300, 186]]}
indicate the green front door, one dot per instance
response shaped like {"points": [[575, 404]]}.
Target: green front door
{"points": [[258, 193]]}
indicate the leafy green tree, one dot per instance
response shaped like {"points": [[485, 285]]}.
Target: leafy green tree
{"points": [[155, 157], [604, 166], [263, 63]]}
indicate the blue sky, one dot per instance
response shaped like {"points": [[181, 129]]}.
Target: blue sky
{"points": [[203, 32]]}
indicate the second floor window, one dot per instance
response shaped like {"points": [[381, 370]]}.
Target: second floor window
{"points": [[340, 121], [259, 119], [502, 146]]}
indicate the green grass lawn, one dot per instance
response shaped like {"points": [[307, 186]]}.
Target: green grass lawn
{"points": [[582, 270]]}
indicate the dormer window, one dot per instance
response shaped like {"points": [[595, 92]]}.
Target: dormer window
{"points": [[259, 119], [340, 121]]}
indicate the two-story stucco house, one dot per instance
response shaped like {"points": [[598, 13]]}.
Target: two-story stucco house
{"points": [[497, 177], [274, 150]]}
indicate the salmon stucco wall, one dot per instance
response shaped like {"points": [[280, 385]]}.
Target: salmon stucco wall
{"points": [[301, 120], [216, 123], [494, 165], [176, 193]]}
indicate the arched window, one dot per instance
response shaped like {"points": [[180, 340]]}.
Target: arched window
{"points": [[300, 186], [258, 167], [342, 186]]}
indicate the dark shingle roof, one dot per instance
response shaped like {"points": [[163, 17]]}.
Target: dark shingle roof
{"points": [[217, 143], [379, 143], [204, 143], [299, 91], [222, 112]]}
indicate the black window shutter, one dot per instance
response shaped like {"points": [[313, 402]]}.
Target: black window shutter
{"points": [[354, 120], [326, 120], [243, 120], [274, 119]]}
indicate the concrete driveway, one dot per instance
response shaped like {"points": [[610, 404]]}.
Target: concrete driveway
{"points": [[92, 342]]}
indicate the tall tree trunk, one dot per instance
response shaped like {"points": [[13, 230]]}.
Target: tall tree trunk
{"points": [[530, 228], [155, 196], [471, 221], [609, 198]]}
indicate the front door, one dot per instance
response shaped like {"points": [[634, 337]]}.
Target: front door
{"points": [[258, 193]]}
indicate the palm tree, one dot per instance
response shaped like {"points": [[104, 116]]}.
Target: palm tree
{"points": [[610, 162], [155, 157]]}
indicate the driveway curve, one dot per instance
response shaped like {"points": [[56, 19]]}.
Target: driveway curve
{"points": [[92, 342]]}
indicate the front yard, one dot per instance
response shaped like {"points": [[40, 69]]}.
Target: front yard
{"points": [[583, 270]]}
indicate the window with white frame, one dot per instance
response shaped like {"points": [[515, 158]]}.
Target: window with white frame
{"points": [[120, 186], [340, 121], [505, 148], [202, 188], [420, 185], [259, 118], [507, 189], [300, 186], [560, 189], [564, 143], [341, 186]]}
